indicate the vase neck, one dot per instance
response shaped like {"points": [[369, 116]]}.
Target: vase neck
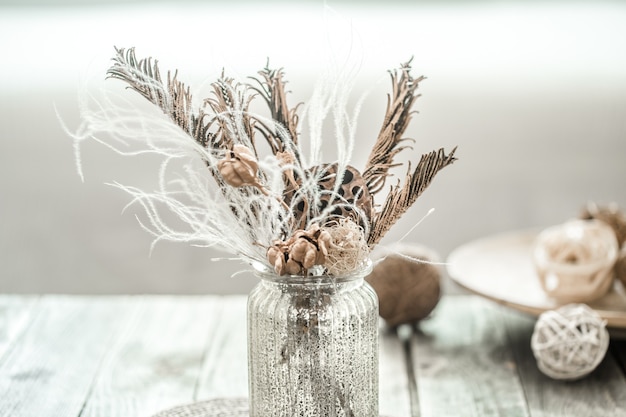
{"points": [[269, 276]]}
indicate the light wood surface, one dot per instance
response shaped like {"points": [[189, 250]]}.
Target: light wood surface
{"points": [[123, 356]]}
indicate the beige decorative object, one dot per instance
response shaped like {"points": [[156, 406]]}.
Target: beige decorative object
{"points": [[620, 267], [240, 167], [408, 290], [575, 260], [348, 250], [611, 215], [569, 343], [616, 218]]}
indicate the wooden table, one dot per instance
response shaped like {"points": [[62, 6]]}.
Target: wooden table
{"points": [[133, 356]]}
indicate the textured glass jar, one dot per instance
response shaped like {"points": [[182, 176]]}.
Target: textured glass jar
{"points": [[313, 347]]}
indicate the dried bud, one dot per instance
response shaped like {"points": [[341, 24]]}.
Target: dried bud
{"points": [[276, 258], [239, 167], [292, 267], [303, 250]]}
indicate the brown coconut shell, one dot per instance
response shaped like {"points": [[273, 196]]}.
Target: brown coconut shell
{"points": [[408, 290]]}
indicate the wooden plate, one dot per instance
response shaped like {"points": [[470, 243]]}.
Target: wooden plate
{"points": [[500, 268]]}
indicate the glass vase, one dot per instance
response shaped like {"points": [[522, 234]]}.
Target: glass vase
{"points": [[313, 346]]}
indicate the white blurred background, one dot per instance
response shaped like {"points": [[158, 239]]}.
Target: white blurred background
{"points": [[533, 93]]}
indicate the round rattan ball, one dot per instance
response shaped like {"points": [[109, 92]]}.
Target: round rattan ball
{"points": [[407, 285], [569, 343]]}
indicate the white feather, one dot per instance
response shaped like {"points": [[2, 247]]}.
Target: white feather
{"points": [[243, 222]]}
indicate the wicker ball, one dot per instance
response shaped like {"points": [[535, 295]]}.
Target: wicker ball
{"points": [[569, 343], [408, 290]]}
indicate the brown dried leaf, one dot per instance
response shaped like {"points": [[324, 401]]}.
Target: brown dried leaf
{"points": [[397, 118], [400, 199]]}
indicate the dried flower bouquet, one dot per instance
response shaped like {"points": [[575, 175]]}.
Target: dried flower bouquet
{"points": [[288, 211]]}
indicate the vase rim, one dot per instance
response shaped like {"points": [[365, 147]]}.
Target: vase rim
{"points": [[266, 273]]}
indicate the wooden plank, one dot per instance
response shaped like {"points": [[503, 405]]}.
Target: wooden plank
{"points": [[602, 393], [16, 314], [464, 365], [394, 382], [155, 362], [225, 369], [50, 369]]}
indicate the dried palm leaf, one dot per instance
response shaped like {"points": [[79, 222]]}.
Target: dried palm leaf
{"points": [[400, 199], [272, 89], [230, 104], [397, 118], [144, 77]]}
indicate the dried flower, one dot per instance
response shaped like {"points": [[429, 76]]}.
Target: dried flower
{"points": [[301, 252], [240, 167], [278, 257], [318, 213]]}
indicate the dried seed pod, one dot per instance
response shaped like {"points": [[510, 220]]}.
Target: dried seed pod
{"points": [[303, 250], [351, 193], [276, 257], [240, 167], [324, 243]]}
